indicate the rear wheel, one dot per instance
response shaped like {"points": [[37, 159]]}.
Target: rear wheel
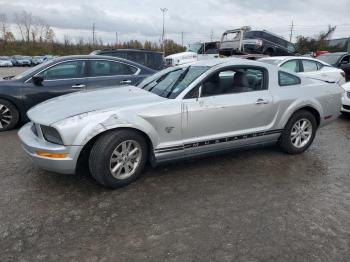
{"points": [[118, 158], [299, 132], [8, 115]]}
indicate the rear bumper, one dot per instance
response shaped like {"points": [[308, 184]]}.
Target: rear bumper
{"points": [[32, 144]]}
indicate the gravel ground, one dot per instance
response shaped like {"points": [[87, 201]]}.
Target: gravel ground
{"points": [[257, 205]]}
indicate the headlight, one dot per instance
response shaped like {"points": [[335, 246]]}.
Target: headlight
{"points": [[50, 134]]}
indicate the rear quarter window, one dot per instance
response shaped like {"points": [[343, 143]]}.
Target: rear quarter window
{"points": [[285, 79]]}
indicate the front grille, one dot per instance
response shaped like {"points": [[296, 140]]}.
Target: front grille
{"points": [[346, 107]]}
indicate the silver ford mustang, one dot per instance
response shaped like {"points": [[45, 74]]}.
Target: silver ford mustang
{"points": [[181, 112]]}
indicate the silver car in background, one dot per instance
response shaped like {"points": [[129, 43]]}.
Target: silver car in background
{"points": [[181, 112]]}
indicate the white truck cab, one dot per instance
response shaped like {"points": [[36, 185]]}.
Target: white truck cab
{"points": [[195, 52]]}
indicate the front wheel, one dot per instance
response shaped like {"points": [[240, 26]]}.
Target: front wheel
{"points": [[9, 115], [118, 158], [299, 132]]}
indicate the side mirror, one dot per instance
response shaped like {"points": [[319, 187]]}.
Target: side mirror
{"points": [[38, 80]]}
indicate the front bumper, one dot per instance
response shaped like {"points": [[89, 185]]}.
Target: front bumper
{"points": [[345, 102], [33, 144]]}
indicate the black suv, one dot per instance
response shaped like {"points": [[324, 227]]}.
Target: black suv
{"points": [[266, 43], [152, 59], [239, 41]]}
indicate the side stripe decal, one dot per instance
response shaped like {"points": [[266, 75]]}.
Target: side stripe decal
{"points": [[217, 141]]}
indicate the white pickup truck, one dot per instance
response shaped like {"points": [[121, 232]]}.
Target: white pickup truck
{"points": [[195, 52]]}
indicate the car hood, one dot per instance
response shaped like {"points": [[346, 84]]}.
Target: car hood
{"points": [[66, 106], [182, 55]]}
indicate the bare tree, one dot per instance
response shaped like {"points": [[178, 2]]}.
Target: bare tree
{"points": [[24, 22], [66, 40], [38, 29]]}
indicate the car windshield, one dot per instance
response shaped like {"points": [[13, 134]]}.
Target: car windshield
{"points": [[30, 71], [329, 58], [194, 47], [170, 82]]}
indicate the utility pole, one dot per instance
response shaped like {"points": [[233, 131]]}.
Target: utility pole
{"points": [[163, 10], [291, 31], [182, 38], [211, 35], [116, 39], [93, 34]]}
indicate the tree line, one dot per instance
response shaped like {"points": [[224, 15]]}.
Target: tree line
{"points": [[37, 37]]}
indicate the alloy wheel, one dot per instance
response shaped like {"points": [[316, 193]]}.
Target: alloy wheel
{"points": [[5, 116], [125, 159], [301, 133]]}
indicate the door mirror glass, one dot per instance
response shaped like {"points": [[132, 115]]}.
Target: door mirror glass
{"points": [[38, 80], [199, 92]]}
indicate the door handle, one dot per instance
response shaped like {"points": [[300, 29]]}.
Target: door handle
{"points": [[125, 82], [261, 101], [78, 86]]}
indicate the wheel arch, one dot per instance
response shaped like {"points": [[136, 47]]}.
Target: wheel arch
{"points": [[86, 150], [312, 106]]}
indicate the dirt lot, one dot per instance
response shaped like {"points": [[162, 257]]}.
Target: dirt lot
{"points": [[258, 205]]}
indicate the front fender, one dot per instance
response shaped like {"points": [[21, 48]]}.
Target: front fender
{"points": [[79, 130]]}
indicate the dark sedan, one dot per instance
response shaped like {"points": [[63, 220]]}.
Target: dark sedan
{"points": [[61, 76], [340, 60]]}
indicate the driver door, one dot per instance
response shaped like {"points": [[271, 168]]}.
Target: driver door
{"points": [[231, 111], [59, 79]]}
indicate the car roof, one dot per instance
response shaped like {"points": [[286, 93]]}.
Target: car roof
{"points": [[128, 50], [72, 57], [285, 58], [335, 53], [228, 61]]}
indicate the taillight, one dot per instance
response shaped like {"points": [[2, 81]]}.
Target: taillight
{"points": [[342, 74]]}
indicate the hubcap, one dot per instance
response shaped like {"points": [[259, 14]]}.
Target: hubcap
{"points": [[125, 159], [301, 133], [5, 116]]}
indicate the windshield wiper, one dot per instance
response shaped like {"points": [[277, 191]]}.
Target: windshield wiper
{"points": [[173, 86]]}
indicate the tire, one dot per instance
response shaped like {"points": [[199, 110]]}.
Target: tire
{"points": [[108, 152], [9, 115], [289, 138]]}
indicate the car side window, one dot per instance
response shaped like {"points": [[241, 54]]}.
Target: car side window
{"points": [[235, 80], [65, 70], [320, 65], [345, 60], [110, 68], [292, 65], [309, 66], [285, 79]]}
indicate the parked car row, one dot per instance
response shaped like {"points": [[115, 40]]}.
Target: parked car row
{"points": [[18, 60]]}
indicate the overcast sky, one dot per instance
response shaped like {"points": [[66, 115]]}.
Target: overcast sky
{"points": [[142, 19]]}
